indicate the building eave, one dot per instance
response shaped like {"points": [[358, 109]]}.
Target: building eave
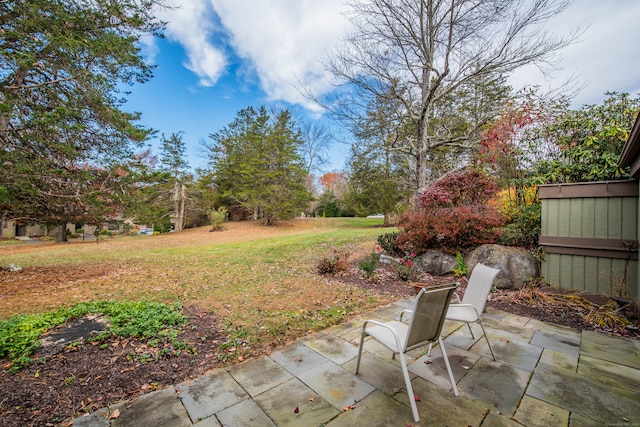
{"points": [[631, 152]]}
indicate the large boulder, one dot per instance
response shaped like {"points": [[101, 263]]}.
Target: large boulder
{"points": [[517, 266], [436, 262]]}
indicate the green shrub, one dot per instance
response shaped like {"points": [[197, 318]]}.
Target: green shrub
{"points": [[387, 242], [524, 226], [217, 218], [369, 264]]}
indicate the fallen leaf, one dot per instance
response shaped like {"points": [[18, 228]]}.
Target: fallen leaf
{"points": [[295, 411], [417, 398], [466, 367], [428, 361], [311, 399], [115, 414]]}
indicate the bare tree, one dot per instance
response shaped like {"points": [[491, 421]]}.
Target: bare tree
{"points": [[316, 141], [424, 55]]}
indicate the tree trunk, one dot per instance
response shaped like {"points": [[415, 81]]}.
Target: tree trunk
{"points": [[3, 222], [178, 206], [183, 197], [62, 232]]}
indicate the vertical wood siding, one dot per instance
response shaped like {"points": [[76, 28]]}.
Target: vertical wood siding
{"points": [[586, 230]]}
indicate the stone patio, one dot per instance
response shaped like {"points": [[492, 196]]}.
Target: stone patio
{"points": [[544, 375]]}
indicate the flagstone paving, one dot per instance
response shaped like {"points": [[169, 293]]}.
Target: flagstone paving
{"points": [[543, 375]]}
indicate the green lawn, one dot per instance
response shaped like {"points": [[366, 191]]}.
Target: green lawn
{"points": [[260, 281]]}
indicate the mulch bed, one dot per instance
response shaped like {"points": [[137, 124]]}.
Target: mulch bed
{"points": [[511, 301], [66, 382]]}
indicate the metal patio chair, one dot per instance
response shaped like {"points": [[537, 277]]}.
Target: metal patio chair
{"points": [[424, 327], [470, 309]]}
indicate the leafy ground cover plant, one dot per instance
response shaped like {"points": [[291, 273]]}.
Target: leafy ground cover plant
{"points": [[158, 323], [369, 264]]}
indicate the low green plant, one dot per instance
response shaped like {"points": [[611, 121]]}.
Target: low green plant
{"points": [[19, 335], [369, 264], [217, 218], [460, 269]]}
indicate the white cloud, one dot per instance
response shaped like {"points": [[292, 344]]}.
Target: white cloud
{"points": [[281, 44], [191, 23], [284, 41]]}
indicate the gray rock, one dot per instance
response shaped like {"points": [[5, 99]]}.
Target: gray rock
{"points": [[436, 262], [517, 266]]}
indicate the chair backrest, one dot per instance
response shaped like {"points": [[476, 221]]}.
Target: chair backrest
{"points": [[479, 286], [429, 313]]}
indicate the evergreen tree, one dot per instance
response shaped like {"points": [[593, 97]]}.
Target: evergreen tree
{"points": [[177, 168], [64, 141], [257, 165]]}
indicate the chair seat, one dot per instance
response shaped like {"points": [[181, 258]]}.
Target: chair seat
{"points": [[385, 336], [462, 314]]}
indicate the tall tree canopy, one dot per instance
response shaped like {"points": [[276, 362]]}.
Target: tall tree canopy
{"points": [[62, 66], [257, 165], [379, 178], [589, 141], [424, 54]]}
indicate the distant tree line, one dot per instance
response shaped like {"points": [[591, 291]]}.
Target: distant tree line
{"points": [[424, 98]]}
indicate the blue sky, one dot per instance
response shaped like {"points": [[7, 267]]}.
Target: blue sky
{"points": [[220, 56]]}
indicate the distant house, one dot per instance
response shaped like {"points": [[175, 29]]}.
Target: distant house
{"points": [[16, 230]]}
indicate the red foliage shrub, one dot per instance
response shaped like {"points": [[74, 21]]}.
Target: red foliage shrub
{"points": [[452, 215], [459, 189]]}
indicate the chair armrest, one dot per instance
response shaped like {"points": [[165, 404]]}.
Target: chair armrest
{"points": [[386, 326], [406, 310], [467, 306]]}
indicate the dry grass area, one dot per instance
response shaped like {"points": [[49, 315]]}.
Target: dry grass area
{"points": [[247, 272]]}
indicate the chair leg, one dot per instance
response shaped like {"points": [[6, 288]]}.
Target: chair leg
{"points": [[448, 365], [471, 330], [429, 350], [487, 338], [407, 382], [362, 335]]}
